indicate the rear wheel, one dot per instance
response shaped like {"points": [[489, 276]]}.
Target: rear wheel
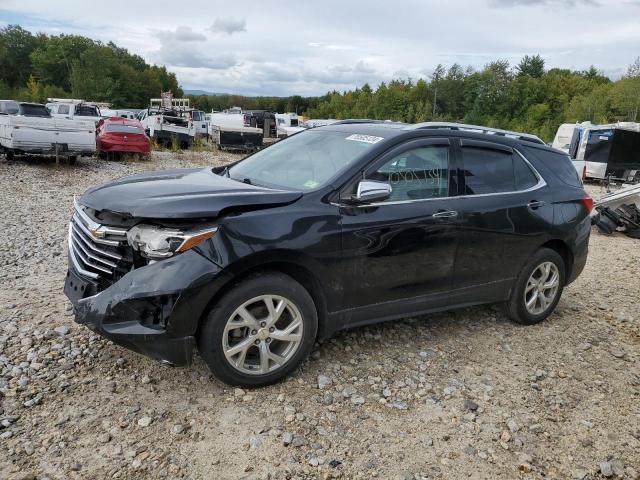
{"points": [[259, 331], [72, 159], [538, 288]]}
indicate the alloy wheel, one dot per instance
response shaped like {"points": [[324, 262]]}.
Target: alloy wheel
{"points": [[542, 288], [262, 334]]}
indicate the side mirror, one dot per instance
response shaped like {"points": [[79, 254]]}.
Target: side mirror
{"points": [[372, 191]]}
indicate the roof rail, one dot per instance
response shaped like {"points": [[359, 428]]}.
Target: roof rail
{"points": [[475, 128], [363, 120]]}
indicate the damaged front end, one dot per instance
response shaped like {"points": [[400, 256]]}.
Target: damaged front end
{"points": [[119, 290]]}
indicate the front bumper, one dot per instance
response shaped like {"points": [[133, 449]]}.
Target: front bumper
{"points": [[153, 310]]}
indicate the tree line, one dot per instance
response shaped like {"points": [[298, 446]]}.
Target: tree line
{"points": [[36, 67], [526, 97]]}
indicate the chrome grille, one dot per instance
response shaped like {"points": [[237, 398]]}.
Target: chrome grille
{"points": [[95, 249]]}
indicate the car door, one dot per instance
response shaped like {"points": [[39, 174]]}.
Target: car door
{"points": [[402, 248], [504, 215]]}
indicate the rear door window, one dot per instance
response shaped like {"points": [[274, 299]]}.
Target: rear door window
{"points": [[494, 168], [487, 171]]}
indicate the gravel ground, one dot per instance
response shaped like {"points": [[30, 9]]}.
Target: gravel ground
{"points": [[452, 395]]}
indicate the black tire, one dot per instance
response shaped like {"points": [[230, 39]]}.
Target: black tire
{"points": [[515, 307], [9, 155], [72, 159], [210, 338]]}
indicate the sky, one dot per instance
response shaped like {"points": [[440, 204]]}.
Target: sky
{"points": [[308, 48]]}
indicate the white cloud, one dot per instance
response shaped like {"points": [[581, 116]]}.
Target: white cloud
{"points": [[181, 34], [306, 48], [229, 25]]}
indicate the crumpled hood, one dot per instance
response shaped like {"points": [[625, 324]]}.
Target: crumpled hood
{"points": [[183, 193]]}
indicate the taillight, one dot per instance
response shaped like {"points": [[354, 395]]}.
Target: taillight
{"points": [[587, 201]]}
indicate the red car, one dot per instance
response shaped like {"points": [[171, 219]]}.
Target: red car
{"points": [[119, 135]]}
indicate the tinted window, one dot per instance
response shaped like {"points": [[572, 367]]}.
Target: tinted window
{"points": [[487, 171], [119, 128], [416, 174], [29, 110], [525, 178], [63, 109], [86, 111], [560, 164]]}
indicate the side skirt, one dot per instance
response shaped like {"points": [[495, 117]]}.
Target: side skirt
{"points": [[381, 312]]}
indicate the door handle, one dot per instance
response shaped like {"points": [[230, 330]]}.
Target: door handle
{"points": [[533, 204], [449, 214]]}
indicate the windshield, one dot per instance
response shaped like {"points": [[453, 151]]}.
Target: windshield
{"points": [[304, 161]]}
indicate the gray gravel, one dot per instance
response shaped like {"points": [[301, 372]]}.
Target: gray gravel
{"points": [[451, 395]]}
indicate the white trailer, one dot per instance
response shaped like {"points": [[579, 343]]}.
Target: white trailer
{"points": [[287, 124], [28, 128], [228, 130], [594, 147]]}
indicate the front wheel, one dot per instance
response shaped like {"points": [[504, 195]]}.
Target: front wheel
{"points": [[538, 288], [259, 331]]}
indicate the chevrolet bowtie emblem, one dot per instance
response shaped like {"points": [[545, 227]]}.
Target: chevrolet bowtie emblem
{"points": [[96, 232]]}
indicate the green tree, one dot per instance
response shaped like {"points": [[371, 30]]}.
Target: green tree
{"points": [[16, 45], [532, 66]]}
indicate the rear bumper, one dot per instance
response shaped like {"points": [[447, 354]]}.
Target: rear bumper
{"points": [[124, 148], [581, 250], [153, 310], [62, 149]]}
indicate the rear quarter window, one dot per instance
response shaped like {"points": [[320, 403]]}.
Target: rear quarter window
{"points": [[559, 164]]}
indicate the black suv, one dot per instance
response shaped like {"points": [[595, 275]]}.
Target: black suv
{"points": [[339, 226]]}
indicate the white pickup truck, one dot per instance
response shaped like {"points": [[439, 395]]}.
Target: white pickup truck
{"points": [[74, 110], [28, 128]]}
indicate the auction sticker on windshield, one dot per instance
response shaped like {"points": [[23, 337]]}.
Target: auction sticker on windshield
{"points": [[364, 138]]}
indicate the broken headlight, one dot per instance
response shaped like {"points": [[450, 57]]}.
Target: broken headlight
{"points": [[156, 243]]}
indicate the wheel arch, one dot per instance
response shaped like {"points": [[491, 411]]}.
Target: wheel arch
{"points": [[297, 271], [564, 251]]}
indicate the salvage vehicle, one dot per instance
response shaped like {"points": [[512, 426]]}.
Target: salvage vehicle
{"points": [[119, 135], [108, 113], [335, 227], [28, 128], [611, 152], [288, 124], [568, 134], [232, 130], [168, 126], [73, 109]]}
